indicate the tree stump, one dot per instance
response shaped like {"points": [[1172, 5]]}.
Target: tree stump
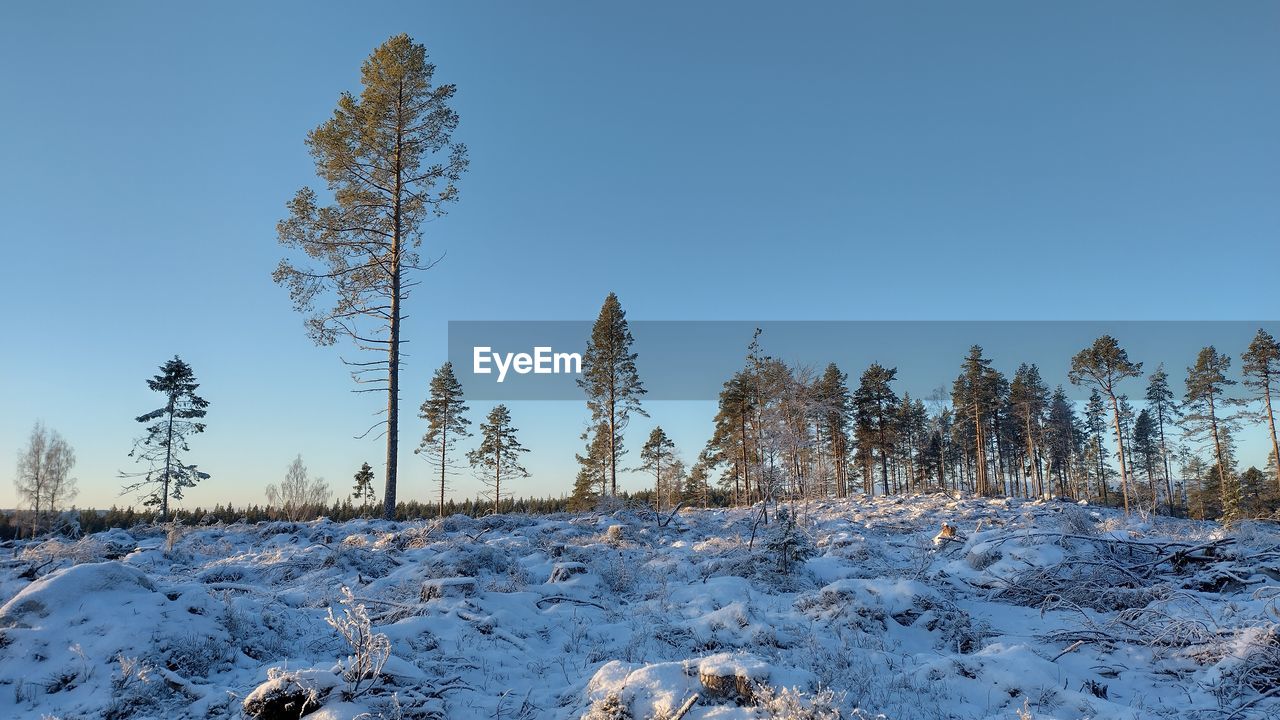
{"points": [[563, 572], [450, 587]]}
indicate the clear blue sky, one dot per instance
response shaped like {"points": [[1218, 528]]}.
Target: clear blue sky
{"points": [[715, 160]]}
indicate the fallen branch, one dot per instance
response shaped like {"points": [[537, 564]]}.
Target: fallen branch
{"points": [[688, 705], [563, 598]]}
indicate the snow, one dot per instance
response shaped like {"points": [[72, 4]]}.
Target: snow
{"points": [[1047, 608]]}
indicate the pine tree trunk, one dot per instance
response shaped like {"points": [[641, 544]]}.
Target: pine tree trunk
{"points": [[168, 466], [1271, 423], [1164, 456], [393, 347], [1228, 502], [444, 445], [1124, 472]]}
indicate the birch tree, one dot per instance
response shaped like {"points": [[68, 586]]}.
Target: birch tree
{"points": [[390, 163], [43, 481]]}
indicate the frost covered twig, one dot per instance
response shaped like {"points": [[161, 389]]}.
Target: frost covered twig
{"points": [[370, 650]]}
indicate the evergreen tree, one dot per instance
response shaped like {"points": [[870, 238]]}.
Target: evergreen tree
{"points": [[834, 409], [730, 442], [1255, 492], [1261, 371], [1146, 451], [610, 379], [656, 458], [975, 397], [1206, 401], [1160, 400], [445, 413], [498, 455], [1029, 399], [1095, 423], [390, 162], [697, 488], [875, 410], [363, 490], [1060, 437], [1104, 365], [166, 438], [592, 481]]}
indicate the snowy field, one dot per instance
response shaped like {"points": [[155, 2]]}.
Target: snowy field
{"points": [[1045, 610]]}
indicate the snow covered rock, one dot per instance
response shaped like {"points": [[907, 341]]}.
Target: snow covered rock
{"points": [[289, 695]]}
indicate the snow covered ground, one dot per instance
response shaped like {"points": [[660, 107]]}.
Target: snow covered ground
{"points": [[1045, 610]]}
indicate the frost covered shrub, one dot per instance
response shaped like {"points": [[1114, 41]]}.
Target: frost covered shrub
{"points": [[1075, 520], [193, 655], [616, 573], [466, 559], [134, 690], [57, 551], [794, 704], [369, 650], [610, 707]]}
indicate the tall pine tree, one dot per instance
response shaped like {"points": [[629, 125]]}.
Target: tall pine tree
{"points": [[445, 413], [165, 441], [1206, 402], [1161, 402], [497, 458], [1104, 365], [1261, 370], [390, 163], [875, 410], [610, 379]]}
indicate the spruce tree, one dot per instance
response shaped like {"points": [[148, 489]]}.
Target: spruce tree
{"points": [[390, 163], [1261, 371], [1029, 400], [445, 413], [1060, 435], [1160, 400], [833, 407], [1146, 451], [1206, 401], [1104, 365], [975, 396], [497, 458], [1095, 423], [610, 379], [165, 441], [875, 410]]}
